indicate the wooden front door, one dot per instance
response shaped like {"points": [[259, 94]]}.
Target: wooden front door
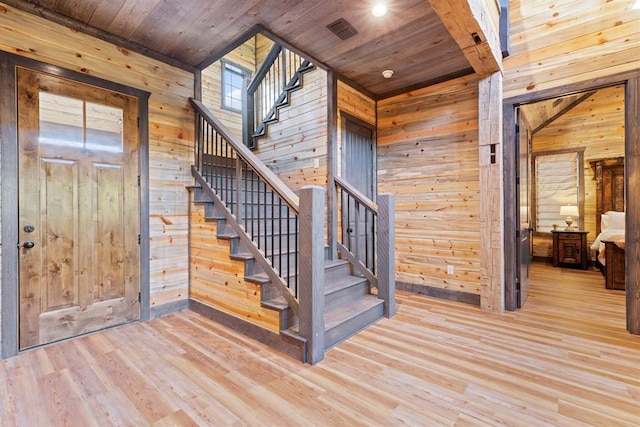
{"points": [[78, 193]]}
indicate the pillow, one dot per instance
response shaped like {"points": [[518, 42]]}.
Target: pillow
{"points": [[615, 220], [604, 222]]}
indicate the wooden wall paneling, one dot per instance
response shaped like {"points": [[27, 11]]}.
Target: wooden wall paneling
{"points": [[569, 42], [263, 47], [428, 158], [170, 123]]}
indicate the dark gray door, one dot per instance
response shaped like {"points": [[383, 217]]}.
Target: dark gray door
{"points": [[358, 168]]}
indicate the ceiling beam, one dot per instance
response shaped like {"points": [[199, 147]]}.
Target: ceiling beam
{"points": [[469, 23]]}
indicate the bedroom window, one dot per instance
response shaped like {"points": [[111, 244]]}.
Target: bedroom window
{"points": [[558, 178], [233, 77]]}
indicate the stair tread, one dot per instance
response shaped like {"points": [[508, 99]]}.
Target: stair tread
{"points": [[278, 303], [226, 235], [242, 256], [330, 263], [341, 313], [259, 278]]}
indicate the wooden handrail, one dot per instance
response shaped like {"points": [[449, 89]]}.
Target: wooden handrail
{"points": [[245, 154], [360, 198], [264, 68]]}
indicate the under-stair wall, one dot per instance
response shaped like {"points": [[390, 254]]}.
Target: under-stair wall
{"points": [[217, 280]]}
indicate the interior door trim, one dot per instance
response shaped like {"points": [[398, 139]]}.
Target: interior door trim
{"points": [[9, 181]]}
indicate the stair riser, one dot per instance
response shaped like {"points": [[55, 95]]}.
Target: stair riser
{"points": [[336, 272], [346, 295], [348, 328]]}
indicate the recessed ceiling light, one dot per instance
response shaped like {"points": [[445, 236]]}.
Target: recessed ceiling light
{"points": [[387, 74], [379, 9]]}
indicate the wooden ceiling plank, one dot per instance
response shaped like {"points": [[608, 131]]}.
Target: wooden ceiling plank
{"points": [[130, 16], [49, 4], [192, 31], [469, 25], [153, 32], [222, 22], [105, 13], [390, 33], [82, 10]]}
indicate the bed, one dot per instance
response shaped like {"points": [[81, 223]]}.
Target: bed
{"points": [[609, 244], [610, 249]]}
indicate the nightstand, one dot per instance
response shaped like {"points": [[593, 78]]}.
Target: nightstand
{"points": [[570, 248]]}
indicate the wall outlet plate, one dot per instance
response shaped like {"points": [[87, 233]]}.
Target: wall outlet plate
{"points": [[449, 269]]}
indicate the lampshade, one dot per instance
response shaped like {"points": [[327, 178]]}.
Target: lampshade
{"points": [[569, 210]]}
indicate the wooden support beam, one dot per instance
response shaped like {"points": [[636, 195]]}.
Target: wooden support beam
{"points": [[386, 253], [470, 25], [491, 194], [311, 291], [632, 187]]}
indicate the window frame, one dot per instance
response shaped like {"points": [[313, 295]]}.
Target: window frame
{"points": [[243, 72], [580, 196]]}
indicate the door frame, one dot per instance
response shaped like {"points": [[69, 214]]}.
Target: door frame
{"points": [[631, 82], [9, 183]]}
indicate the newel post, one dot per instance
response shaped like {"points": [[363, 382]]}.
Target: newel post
{"points": [[311, 290], [386, 264]]}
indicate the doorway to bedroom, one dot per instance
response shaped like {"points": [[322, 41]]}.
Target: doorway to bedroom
{"points": [[570, 155], [572, 179]]}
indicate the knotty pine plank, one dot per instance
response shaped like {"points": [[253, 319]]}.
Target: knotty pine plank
{"points": [[563, 43]]}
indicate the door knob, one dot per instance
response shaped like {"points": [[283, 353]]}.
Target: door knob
{"points": [[28, 244]]}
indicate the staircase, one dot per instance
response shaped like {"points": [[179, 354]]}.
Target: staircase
{"points": [[348, 304], [320, 298]]}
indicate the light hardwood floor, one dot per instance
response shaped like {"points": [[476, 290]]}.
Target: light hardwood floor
{"points": [[565, 359]]}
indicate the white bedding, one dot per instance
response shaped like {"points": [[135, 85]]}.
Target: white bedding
{"points": [[605, 235], [614, 234]]}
